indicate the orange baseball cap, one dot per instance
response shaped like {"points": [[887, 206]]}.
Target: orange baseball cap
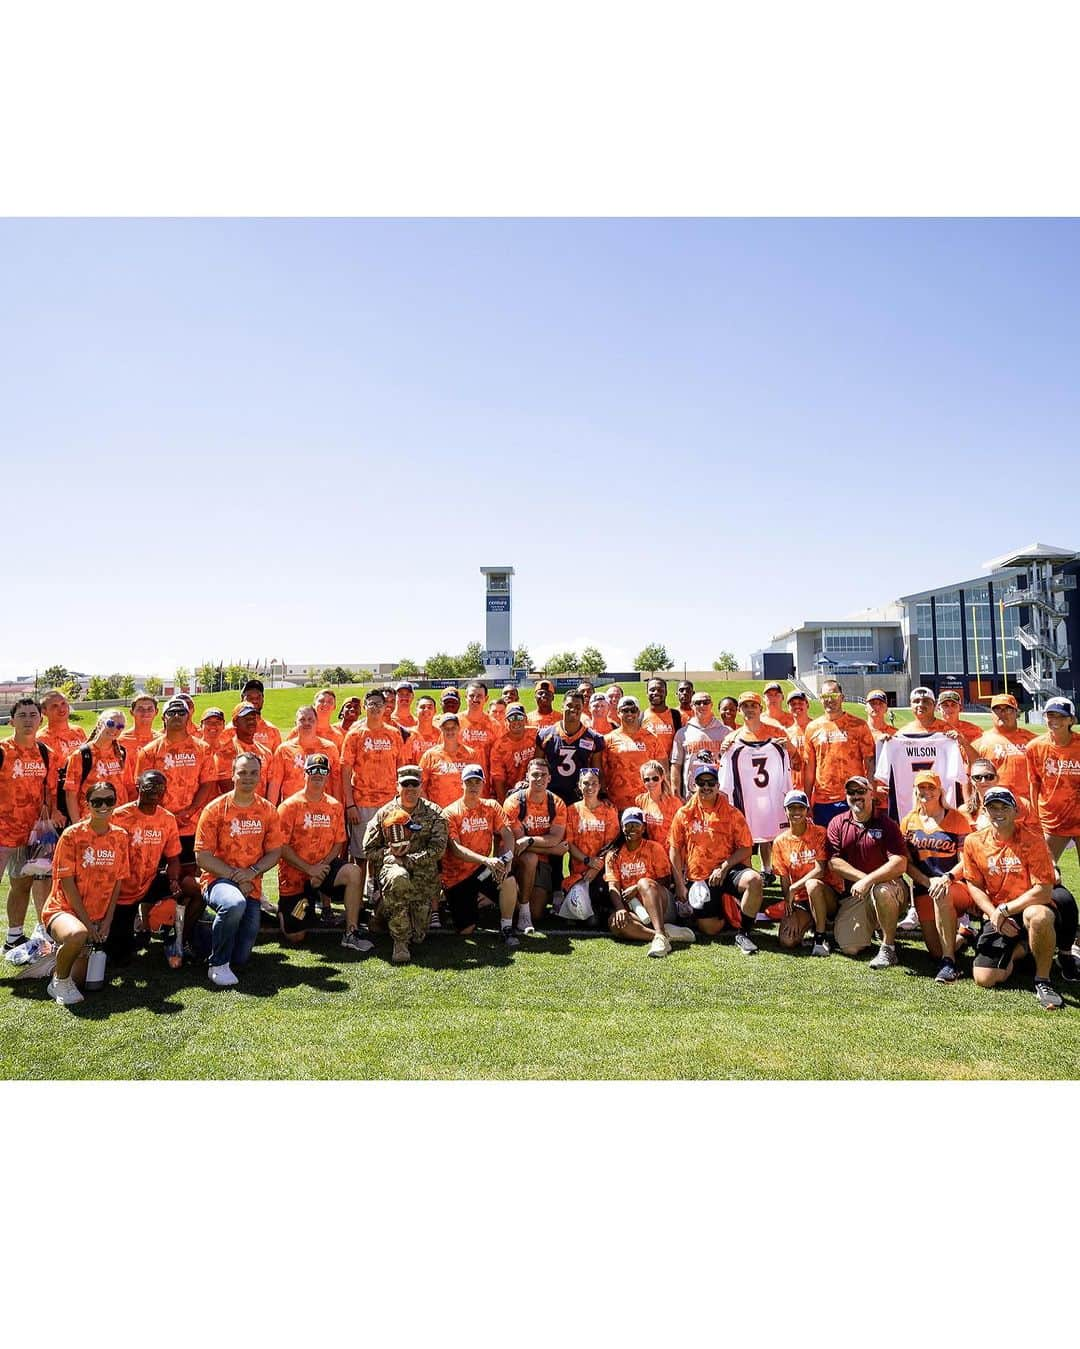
{"points": [[1003, 700], [750, 697], [926, 776]]}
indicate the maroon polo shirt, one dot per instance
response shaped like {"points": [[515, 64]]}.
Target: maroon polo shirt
{"points": [[864, 846]]}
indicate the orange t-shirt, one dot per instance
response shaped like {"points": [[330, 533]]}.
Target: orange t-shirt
{"points": [[419, 742], [510, 758], [841, 749], [479, 737], [535, 820], [967, 729], [266, 733], [132, 742], [405, 720], [784, 720], [150, 838], [287, 768], [186, 765], [538, 720], [105, 766], [61, 743], [661, 726], [94, 861], [793, 738], [440, 774], [705, 838], [589, 831], [311, 829], [25, 786], [238, 835], [369, 762], [648, 862], [658, 815], [621, 763], [796, 857], [1055, 783], [475, 827], [1006, 751], [1005, 870]]}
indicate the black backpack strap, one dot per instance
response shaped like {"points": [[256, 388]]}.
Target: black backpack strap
{"points": [[676, 719]]}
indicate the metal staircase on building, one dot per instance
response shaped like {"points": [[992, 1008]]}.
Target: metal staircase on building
{"points": [[1045, 688], [1031, 641]]}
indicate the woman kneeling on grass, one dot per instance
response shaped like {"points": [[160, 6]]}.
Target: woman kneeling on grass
{"points": [[90, 862], [934, 835], [634, 869]]}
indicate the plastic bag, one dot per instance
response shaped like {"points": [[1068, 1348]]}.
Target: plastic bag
{"points": [[39, 848], [37, 945]]}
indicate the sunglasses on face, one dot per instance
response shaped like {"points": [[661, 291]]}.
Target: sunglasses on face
{"points": [[652, 778], [115, 725], [101, 802], [317, 772], [983, 777]]}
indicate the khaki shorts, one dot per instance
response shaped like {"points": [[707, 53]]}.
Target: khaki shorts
{"points": [[855, 922], [13, 860], [357, 831]]}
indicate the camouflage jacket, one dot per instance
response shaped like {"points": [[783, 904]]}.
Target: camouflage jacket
{"points": [[426, 843]]}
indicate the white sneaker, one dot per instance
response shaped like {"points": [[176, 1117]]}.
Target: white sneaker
{"points": [[675, 933], [63, 992], [524, 920], [820, 948], [660, 946], [221, 976], [910, 921], [885, 959]]}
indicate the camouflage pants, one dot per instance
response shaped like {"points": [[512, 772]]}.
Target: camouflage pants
{"points": [[407, 901]]}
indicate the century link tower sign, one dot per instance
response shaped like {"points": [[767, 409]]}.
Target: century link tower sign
{"points": [[499, 645]]}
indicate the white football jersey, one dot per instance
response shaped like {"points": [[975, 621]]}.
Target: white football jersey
{"points": [[903, 755], [755, 776]]}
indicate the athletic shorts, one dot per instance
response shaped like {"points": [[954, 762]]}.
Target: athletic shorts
{"points": [[824, 811], [157, 889], [462, 898], [357, 831], [959, 896], [994, 951], [313, 894], [716, 907], [13, 860], [187, 850]]}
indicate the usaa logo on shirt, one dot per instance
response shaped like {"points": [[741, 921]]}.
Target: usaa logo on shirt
{"points": [[1001, 864], [98, 857], [28, 768], [316, 820], [374, 744], [180, 758], [473, 824], [147, 836], [238, 827]]}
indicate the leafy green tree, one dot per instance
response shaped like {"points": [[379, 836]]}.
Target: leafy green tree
{"points": [[207, 677], [100, 689], [522, 659], [235, 676], [592, 662], [471, 661], [335, 674], [406, 669], [725, 663], [53, 677], [441, 666], [362, 677], [182, 677], [563, 662], [154, 685], [125, 687], [653, 657]]}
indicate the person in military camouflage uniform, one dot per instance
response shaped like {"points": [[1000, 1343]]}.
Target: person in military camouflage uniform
{"points": [[407, 872]]}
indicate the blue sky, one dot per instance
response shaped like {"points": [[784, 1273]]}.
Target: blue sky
{"points": [[301, 439]]}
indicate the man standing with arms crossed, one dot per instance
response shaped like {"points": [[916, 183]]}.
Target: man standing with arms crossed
{"points": [[836, 747]]}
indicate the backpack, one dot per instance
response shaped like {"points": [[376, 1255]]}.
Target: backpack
{"points": [[86, 755], [521, 798], [43, 750]]}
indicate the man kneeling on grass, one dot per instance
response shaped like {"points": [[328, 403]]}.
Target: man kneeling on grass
{"points": [[470, 865], [1010, 876], [636, 869]]}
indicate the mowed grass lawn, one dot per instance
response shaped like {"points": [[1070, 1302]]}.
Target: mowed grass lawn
{"points": [[559, 1007]]}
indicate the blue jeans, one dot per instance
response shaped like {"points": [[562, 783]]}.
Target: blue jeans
{"points": [[236, 924]]}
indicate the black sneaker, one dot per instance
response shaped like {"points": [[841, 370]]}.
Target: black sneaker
{"points": [[1048, 996], [1067, 964], [510, 938], [745, 945], [11, 943]]}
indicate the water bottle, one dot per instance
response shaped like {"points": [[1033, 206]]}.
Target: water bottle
{"points": [[95, 970], [639, 911]]}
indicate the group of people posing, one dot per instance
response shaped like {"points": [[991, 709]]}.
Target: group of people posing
{"points": [[641, 819]]}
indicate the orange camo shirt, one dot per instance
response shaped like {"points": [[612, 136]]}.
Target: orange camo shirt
{"points": [[648, 862], [369, 762], [538, 720], [418, 744], [661, 726], [510, 758], [589, 831], [480, 737], [440, 774], [1054, 771], [311, 829], [841, 749], [531, 819], [94, 861], [105, 766], [237, 835], [796, 857], [658, 815], [25, 786], [150, 838], [1005, 870], [705, 838], [186, 765], [621, 762], [287, 768], [477, 828]]}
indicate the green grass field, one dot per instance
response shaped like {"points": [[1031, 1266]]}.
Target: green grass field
{"points": [[560, 1007]]}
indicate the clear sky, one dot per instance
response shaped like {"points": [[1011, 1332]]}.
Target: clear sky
{"points": [[301, 439]]}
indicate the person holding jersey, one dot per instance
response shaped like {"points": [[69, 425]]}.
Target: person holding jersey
{"points": [[89, 867]]}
